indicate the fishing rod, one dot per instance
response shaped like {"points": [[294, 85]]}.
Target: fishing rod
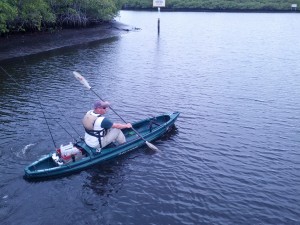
{"points": [[41, 106], [62, 127], [61, 114], [38, 100], [68, 121]]}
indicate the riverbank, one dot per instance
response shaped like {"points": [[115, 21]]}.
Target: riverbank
{"points": [[33, 43], [165, 9]]}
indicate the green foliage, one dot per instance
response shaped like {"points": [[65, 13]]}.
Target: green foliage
{"points": [[237, 5], [83, 12], [101, 10], [31, 15], [36, 15], [138, 4], [7, 13]]}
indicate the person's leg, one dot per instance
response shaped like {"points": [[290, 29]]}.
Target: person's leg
{"points": [[113, 134]]}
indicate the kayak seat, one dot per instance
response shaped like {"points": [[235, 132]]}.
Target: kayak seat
{"points": [[111, 145], [153, 122]]}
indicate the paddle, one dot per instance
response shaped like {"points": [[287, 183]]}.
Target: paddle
{"points": [[83, 81]]}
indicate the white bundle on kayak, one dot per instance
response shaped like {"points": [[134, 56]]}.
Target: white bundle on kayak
{"points": [[56, 159], [66, 154], [68, 150]]}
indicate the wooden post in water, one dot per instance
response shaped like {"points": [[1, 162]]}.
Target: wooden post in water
{"points": [[158, 4], [158, 21]]}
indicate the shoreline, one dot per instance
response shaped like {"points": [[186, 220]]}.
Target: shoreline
{"points": [[20, 45], [166, 9]]}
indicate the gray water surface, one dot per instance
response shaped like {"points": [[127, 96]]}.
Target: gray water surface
{"points": [[233, 157]]}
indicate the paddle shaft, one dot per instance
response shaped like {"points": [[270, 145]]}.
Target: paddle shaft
{"points": [[84, 82], [118, 115]]}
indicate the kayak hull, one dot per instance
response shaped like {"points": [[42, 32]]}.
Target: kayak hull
{"points": [[150, 129]]}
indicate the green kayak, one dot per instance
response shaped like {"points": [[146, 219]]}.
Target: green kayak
{"points": [[79, 156]]}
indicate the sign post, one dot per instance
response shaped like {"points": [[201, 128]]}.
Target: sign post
{"points": [[158, 4], [293, 7]]}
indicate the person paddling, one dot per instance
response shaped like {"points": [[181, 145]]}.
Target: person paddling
{"points": [[100, 131]]}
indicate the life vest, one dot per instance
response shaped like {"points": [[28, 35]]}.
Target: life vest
{"points": [[88, 122]]}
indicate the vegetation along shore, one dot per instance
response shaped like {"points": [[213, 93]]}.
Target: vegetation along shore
{"points": [[29, 27], [218, 5], [17, 16]]}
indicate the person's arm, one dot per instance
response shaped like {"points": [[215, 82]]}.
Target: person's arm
{"points": [[121, 125], [107, 124]]}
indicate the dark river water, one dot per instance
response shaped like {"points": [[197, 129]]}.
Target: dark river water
{"points": [[234, 157]]}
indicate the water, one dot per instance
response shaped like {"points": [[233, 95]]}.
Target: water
{"points": [[233, 159]]}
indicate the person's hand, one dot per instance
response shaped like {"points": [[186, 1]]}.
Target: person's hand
{"points": [[128, 125]]}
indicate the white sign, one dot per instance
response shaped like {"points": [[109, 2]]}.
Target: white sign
{"points": [[159, 3], [294, 5]]}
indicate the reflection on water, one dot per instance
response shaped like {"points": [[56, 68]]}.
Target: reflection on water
{"points": [[173, 131], [105, 179]]}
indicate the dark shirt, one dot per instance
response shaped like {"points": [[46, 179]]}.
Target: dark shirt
{"points": [[106, 123]]}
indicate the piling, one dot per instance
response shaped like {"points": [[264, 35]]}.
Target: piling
{"points": [[158, 21]]}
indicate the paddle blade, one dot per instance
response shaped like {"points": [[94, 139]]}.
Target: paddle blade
{"points": [[82, 80], [153, 147]]}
